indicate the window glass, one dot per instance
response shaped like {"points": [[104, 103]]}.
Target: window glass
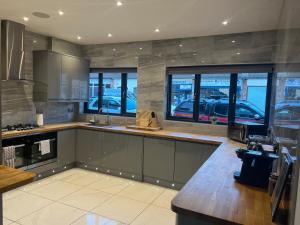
{"points": [[214, 98], [111, 99], [93, 91], [182, 95], [251, 97], [287, 102], [131, 93]]}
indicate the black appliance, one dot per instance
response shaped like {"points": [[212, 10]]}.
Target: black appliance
{"points": [[19, 127], [256, 168], [28, 154], [241, 131]]}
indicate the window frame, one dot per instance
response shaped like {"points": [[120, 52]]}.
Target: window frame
{"points": [[124, 75], [233, 70]]}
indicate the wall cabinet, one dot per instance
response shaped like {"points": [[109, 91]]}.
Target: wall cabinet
{"points": [[59, 77], [159, 158], [189, 157], [89, 147], [66, 147]]}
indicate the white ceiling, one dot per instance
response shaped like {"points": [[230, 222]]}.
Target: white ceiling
{"points": [[136, 20]]}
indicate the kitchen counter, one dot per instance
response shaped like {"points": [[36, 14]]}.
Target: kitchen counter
{"points": [[211, 195], [13, 178]]}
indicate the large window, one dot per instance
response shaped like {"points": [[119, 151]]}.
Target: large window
{"points": [[219, 95], [112, 92]]}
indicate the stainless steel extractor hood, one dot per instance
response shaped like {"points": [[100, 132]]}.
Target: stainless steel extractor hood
{"points": [[12, 50]]}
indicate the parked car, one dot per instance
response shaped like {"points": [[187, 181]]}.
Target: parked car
{"points": [[217, 110], [287, 112], [113, 104]]}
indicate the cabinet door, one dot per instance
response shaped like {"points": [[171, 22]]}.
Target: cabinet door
{"points": [[89, 147], [133, 155], [66, 147], [189, 157], [69, 86], [113, 151], [159, 158], [84, 79]]}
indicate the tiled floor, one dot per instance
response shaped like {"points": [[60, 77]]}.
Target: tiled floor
{"points": [[79, 197]]}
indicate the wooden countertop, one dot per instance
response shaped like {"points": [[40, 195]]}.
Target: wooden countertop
{"points": [[212, 193], [13, 178]]}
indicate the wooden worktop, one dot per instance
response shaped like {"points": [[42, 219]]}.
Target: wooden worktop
{"points": [[212, 193], [13, 178]]}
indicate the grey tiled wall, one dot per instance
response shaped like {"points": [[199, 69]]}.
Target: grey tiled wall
{"points": [[156, 56]]}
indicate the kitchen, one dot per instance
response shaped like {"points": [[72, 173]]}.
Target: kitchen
{"points": [[184, 114]]}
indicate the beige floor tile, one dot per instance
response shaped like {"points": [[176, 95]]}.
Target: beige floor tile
{"points": [[164, 200], [22, 205], [121, 209], [54, 214], [94, 219], [7, 221], [14, 223], [86, 198], [107, 182], [84, 179], [36, 184], [141, 192], [155, 215], [12, 194], [56, 190], [69, 173]]}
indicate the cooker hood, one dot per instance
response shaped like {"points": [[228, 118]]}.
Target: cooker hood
{"points": [[12, 50]]}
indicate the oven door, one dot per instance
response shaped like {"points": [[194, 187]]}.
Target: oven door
{"points": [[37, 157], [21, 160]]}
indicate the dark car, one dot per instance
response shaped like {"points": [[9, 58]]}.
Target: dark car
{"points": [[217, 110], [287, 113]]}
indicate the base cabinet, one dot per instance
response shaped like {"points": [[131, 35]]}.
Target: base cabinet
{"points": [[66, 147], [159, 159], [189, 157], [89, 147]]}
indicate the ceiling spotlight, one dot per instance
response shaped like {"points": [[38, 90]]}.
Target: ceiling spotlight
{"points": [[156, 30], [233, 41], [119, 3], [141, 48], [78, 38], [114, 49], [60, 13], [109, 35], [34, 41], [238, 53], [194, 54], [225, 22], [25, 18], [180, 45]]}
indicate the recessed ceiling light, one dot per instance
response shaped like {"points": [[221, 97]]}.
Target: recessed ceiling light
{"points": [[25, 18], [79, 37], [34, 41], [225, 22], [114, 49], [194, 54], [203, 61], [60, 12], [156, 30], [141, 48], [180, 45], [109, 35], [233, 41], [119, 3], [238, 53]]}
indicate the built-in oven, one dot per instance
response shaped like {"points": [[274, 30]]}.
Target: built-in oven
{"points": [[28, 152], [20, 146], [36, 157]]}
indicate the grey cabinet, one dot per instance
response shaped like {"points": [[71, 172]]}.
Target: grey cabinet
{"points": [[159, 158], [59, 77], [189, 157], [89, 147], [66, 147], [123, 153]]}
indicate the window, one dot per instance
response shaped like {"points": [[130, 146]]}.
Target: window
{"points": [[199, 94], [251, 97], [117, 92]]}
